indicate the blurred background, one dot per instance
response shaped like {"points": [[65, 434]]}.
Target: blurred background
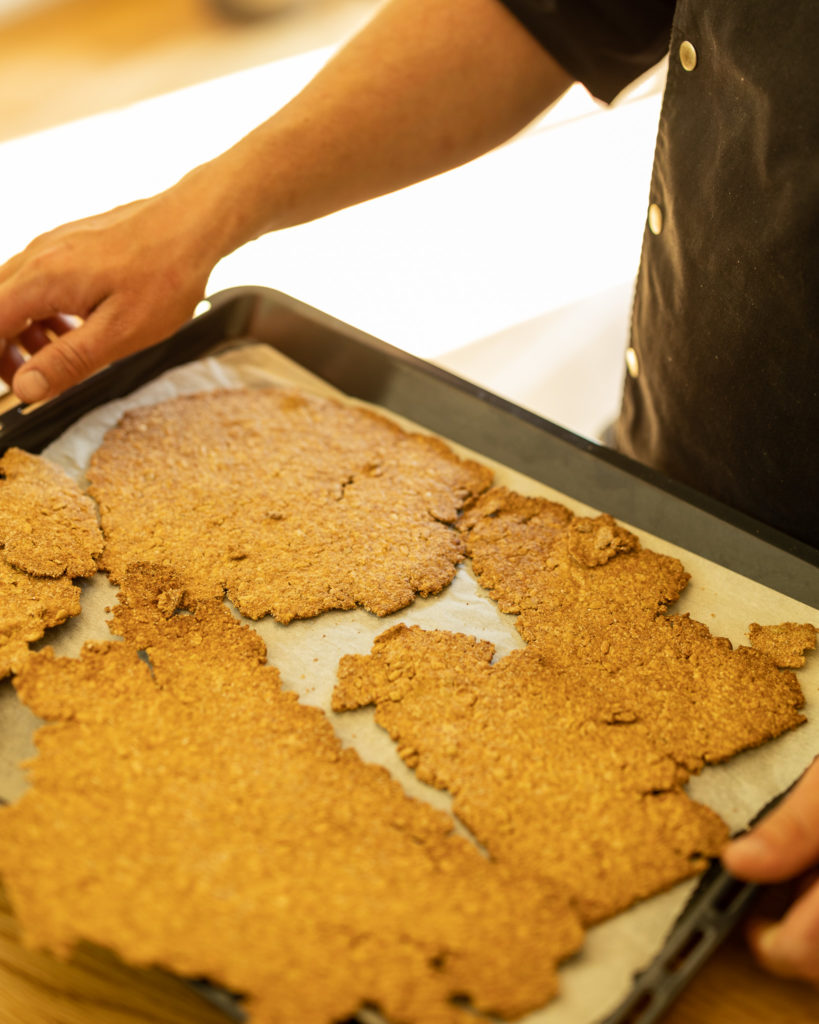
{"points": [[65, 59], [515, 271]]}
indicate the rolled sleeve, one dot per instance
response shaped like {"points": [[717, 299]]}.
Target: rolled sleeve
{"points": [[605, 44]]}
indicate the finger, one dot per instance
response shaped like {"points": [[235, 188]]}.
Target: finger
{"points": [[42, 332], [32, 339], [11, 359], [807, 882], [14, 303], [35, 336], [41, 291], [786, 842], [68, 359], [73, 356], [10, 267], [790, 947], [57, 324]]}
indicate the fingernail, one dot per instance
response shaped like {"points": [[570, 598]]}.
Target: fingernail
{"points": [[750, 845], [766, 937], [30, 386]]}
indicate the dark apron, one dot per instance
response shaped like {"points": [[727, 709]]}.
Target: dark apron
{"points": [[723, 390]]}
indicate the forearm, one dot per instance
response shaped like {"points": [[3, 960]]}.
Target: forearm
{"points": [[424, 87], [427, 85]]}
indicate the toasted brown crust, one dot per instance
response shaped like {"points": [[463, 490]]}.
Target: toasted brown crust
{"points": [[29, 605], [48, 527], [48, 534], [786, 643], [293, 504], [193, 815]]}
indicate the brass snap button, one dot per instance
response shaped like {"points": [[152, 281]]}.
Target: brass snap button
{"points": [[655, 219], [688, 55]]}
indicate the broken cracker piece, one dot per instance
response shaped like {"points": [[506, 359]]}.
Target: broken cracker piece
{"points": [[611, 613], [29, 605], [786, 643], [555, 772], [48, 527]]}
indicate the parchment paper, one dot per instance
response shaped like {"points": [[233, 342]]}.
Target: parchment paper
{"points": [[306, 653]]}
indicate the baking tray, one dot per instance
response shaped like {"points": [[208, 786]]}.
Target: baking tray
{"points": [[366, 368], [369, 369]]}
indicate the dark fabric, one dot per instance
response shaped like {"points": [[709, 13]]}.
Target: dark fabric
{"points": [[726, 312], [605, 44]]}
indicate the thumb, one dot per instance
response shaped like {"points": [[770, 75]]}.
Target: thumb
{"points": [[68, 359], [786, 842]]}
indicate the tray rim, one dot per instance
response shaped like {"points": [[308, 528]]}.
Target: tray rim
{"points": [[634, 493]]}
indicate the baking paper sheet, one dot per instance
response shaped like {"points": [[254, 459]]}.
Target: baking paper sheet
{"points": [[307, 652]]}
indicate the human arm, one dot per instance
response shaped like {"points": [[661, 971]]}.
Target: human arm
{"points": [[785, 846], [424, 87]]}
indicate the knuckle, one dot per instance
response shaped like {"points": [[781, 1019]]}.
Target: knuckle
{"points": [[40, 259], [70, 358]]}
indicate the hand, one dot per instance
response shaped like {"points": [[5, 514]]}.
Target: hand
{"points": [[36, 336], [783, 847], [98, 289], [397, 104]]}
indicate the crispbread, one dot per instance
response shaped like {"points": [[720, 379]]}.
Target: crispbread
{"points": [[48, 527], [604, 605], [29, 605], [185, 811], [786, 643], [568, 758], [189, 813], [48, 534], [293, 504], [555, 772]]}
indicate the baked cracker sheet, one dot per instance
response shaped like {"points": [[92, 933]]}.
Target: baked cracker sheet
{"points": [[307, 652]]}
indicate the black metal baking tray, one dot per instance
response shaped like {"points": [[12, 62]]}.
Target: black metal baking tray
{"points": [[366, 368]]}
